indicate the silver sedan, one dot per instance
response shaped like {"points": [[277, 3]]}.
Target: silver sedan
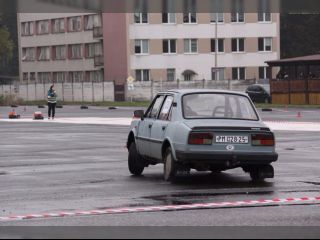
{"points": [[204, 130]]}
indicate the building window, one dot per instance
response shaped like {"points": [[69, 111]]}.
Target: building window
{"points": [[239, 73], [237, 45], [265, 44], [59, 53], [33, 76], [27, 29], [217, 17], [74, 24], [44, 77], [43, 27], [75, 51], [218, 74], [237, 12], [143, 75], [92, 21], [169, 46], [217, 45], [191, 46], [93, 50], [264, 17], [95, 76], [189, 18], [76, 77], [263, 73], [58, 26], [141, 18], [28, 54], [44, 53], [237, 17], [169, 18], [25, 77], [141, 46], [264, 11], [59, 77], [171, 75]]}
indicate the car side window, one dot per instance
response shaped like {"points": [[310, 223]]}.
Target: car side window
{"points": [[166, 109], [153, 112]]}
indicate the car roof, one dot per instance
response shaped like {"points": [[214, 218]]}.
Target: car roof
{"points": [[190, 91]]}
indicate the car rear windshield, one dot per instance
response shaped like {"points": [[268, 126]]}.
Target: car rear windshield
{"points": [[218, 106]]}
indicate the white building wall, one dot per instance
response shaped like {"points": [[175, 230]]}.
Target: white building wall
{"points": [[180, 31], [202, 64]]}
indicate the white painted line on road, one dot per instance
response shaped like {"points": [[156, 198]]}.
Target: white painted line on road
{"points": [[294, 126], [274, 125], [253, 203], [88, 120]]}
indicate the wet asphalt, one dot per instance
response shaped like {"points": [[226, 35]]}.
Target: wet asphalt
{"points": [[48, 167]]}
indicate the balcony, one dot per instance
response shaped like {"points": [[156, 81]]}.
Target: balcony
{"points": [[97, 32], [99, 61]]}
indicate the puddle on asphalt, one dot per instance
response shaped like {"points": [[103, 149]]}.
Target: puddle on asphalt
{"points": [[290, 149], [186, 198], [313, 183], [97, 181]]}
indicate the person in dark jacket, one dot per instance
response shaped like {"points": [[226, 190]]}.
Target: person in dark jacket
{"points": [[52, 102]]}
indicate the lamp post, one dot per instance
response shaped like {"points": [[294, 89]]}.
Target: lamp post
{"points": [[217, 46]]}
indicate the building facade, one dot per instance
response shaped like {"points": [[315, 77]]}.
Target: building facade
{"points": [[147, 46]]}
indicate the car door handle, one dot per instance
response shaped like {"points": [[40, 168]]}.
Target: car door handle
{"points": [[164, 128], [150, 126]]}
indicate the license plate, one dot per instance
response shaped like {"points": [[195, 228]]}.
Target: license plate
{"points": [[232, 139]]}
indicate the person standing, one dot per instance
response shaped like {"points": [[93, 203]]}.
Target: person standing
{"points": [[52, 102]]}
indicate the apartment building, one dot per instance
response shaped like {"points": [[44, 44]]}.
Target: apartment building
{"points": [[60, 47], [147, 46]]}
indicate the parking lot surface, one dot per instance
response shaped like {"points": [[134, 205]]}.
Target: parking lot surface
{"points": [[81, 165]]}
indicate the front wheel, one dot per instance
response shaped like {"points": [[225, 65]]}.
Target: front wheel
{"points": [[170, 166], [135, 163]]}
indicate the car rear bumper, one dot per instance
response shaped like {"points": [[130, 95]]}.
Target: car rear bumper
{"points": [[227, 158]]}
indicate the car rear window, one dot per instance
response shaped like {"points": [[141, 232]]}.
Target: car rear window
{"points": [[218, 106]]}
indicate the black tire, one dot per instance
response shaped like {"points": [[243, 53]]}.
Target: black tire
{"points": [[170, 167], [135, 163], [260, 173], [256, 176]]}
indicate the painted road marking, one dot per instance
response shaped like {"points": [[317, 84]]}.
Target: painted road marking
{"points": [[253, 203], [88, 120], [274, 125]]}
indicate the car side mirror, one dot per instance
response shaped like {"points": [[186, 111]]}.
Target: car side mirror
{"points": [[139, 114]]}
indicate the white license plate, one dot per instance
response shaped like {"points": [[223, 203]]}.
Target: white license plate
{"points": [[232, 139]]}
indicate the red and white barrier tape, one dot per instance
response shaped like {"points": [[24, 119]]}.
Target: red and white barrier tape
{"points": [[253, 203]]}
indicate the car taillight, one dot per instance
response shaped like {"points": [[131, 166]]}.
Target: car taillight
{"points": [[200, 139], [263, 140]]}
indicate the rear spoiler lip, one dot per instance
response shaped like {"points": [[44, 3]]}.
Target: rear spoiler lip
{"points": [[250, 129]]}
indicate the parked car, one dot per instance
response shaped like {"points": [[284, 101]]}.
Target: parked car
{"points": [[204, 130], [259, 94]]}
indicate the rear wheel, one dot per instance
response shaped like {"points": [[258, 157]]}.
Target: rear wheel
{"points": [[135, 162], [170, 166], [259, 174]]}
